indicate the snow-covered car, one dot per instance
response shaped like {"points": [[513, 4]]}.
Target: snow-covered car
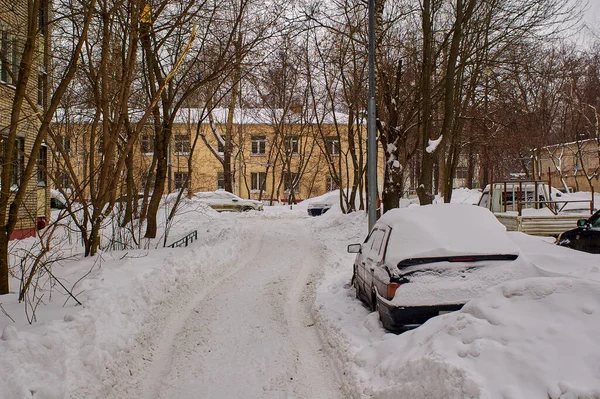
{"points": [[221, 200], [421, 262], [319, 205]]}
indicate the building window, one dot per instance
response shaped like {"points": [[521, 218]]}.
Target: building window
{"points": [[332, 146], [66, 145], [291, 179], [8, 58], [42, 17], [18, 162], [220, 181], [257, 181], [331, 184], [42, 164], [259, 145], [182, 144], [65, 180], [221, 145], [147, 144], [292, 145], [41, 89], [180, 180]]}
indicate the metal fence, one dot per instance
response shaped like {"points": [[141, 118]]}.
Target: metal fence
{"points": [[183, 242]]}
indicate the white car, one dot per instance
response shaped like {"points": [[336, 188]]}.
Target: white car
{"points": [[421, 262], [225, 201]]}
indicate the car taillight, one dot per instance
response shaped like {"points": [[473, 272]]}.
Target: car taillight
{"points": [[391, 289]]}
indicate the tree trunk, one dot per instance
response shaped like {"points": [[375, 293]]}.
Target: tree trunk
{"points": [[131, 199], [161, 148], [4, 270], [424, 190]]}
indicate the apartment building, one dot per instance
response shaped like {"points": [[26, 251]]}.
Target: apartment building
{"points": [[274, 157], [569, 165], [13, 23]]}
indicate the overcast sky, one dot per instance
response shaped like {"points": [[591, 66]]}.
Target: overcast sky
{"points": [[592, 19]]}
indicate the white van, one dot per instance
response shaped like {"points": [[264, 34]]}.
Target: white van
{"points": [[505, 196]]}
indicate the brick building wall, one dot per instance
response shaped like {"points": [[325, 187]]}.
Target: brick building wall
{"points": [[13, 21]]}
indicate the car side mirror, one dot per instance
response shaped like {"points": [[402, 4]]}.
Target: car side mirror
{"points": [[234, 199], [582, 223], [355, 249]]}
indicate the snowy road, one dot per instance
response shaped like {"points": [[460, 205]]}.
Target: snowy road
{"points": [[248, 333]]}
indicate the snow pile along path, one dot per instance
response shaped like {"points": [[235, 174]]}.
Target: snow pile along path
{"points": [[71, 356], [532, 338]]}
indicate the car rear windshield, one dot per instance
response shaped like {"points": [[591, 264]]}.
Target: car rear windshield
{"points": [[465, 258]]}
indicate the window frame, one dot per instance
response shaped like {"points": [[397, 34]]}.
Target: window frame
{"points": [[42, 166], [220, 180], [18, 163], [7, 56], [261, 145], [221, 146], [147, 143], [331, 184], [184, 145], [292, 145], [332, 146], [288, 180], [258, 182], [179, 179]]}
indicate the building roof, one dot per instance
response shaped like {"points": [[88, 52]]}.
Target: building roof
{"points": [[245, 116]]}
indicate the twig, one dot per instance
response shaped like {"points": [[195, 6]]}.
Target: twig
{"points": [[62, 285], [6, 314]]}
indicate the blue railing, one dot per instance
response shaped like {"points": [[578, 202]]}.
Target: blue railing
{"points": [[185, 240]]}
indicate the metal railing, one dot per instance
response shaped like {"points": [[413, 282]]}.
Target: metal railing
{"points": [[183, 242]]}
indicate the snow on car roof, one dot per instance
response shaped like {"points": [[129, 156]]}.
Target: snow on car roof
{"points": [[444, 230]]}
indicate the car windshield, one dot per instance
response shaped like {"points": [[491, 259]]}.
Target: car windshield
{"points": [[594, 220], [227, 195]]}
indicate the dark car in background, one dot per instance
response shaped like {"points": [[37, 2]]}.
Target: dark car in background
{"points": [[421, 262], [319, 205], [586, 237]]}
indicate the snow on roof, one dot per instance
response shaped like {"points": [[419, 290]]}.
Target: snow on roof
{"points": [[245, 116], [444, 230]]}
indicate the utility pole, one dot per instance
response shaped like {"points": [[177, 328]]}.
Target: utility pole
{"points": [[371, 127]]}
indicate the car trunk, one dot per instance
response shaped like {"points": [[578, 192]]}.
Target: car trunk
{"points": [[448, 283]]}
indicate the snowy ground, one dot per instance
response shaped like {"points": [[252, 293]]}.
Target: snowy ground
{"points": [[532, 338], [260, 307]]}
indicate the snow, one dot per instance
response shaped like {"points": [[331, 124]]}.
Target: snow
{"points": [[261, 306], [445, 230], [532, 338], [432, 145], [455, 283], [525, 338]]}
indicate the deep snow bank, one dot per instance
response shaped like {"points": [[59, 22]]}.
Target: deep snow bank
{"points": [[76, 348], [530, 338]]}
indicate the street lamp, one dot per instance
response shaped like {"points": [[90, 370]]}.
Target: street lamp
{"points": [[371, 127]]}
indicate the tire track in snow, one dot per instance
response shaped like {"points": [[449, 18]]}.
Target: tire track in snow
{"points": [[250, 334], [163, 355]]}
